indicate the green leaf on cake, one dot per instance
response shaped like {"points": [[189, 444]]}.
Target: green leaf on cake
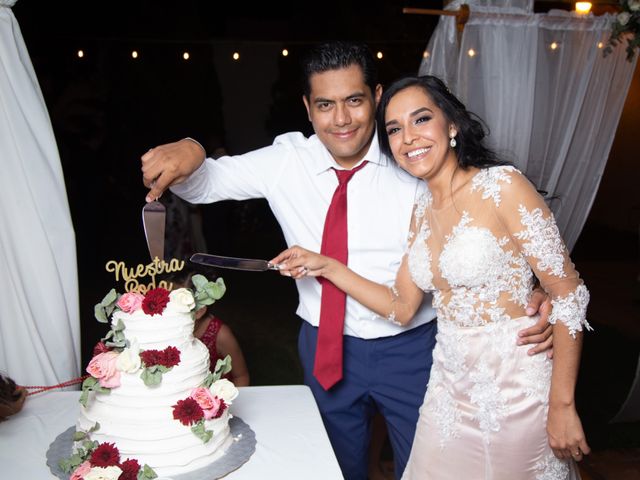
{"points": [[115, 337], [80, 435], [207, 292], [91, 384], [87, 386], [223, 366], [146, 473], [208, 381], [84, 397], [151, 376], [69, 465], [200, 432], [103, 309], [90, 445]]}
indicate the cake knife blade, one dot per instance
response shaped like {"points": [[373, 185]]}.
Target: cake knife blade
{"points": [[234, 263], [153, 220]]}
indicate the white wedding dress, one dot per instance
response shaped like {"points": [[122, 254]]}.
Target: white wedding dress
{"points": [[485, 410]]}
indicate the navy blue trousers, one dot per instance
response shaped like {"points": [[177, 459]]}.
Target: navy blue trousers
{"points": [[388, 375]]}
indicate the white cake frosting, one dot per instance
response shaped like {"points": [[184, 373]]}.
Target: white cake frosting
{"points": [[138, 418]]}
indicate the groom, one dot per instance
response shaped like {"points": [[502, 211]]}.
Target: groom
{"points": [[385, 367]]}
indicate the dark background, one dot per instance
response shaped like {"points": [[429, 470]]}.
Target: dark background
{"points": [[108, 109]]}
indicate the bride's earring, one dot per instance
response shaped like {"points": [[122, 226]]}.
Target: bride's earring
{"points": [[452, 142]]}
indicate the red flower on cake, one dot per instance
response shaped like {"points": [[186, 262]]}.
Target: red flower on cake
{"points": [[171, 357], [99, 348], [188, 411], [155, 301], [221, 408], [106, 455], [129, 469], [150, 357]]}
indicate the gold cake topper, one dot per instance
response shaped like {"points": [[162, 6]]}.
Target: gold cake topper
{"points": [[131, 275]]}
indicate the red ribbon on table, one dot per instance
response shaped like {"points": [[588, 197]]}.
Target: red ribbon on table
{"points": [[40, 388]]}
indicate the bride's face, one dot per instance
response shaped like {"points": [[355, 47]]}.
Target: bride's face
{"points": [[419, 133]]}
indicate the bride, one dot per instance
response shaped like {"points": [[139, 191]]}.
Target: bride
{"points": [[477, 239]]}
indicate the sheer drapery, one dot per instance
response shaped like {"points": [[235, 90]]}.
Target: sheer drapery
{"points": [[550, 99], [39, 325]]}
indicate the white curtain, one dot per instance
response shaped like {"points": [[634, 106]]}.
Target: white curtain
{"points": [[552, 102], [39, 324]]}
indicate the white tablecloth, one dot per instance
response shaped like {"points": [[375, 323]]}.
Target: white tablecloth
{"points": [[291, 442]]}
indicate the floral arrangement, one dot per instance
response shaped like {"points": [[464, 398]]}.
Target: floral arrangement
{"points": [[626, 25], [101, 461], [115, 354], [207, 402]]}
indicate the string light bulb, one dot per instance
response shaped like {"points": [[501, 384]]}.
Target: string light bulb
{"points": [[134, 54], [285, 52], [425, 54], [553, 46], [471, 52], [236, 56], [583, 8], [80, 54], [379, 55], [186, 56]]}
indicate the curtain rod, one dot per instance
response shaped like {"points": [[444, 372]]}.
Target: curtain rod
{"points": [[461, 15]]}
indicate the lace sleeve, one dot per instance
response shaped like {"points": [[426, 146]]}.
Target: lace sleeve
{"points": [[403, 286], [533, 229], [417, 217]]}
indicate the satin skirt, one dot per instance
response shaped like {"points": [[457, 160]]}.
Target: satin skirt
{"points": [[485, 411]]}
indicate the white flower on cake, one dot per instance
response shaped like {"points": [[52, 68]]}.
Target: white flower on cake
{"points": [[181, 301], [103, 473], [225, 390], [129, 359]]}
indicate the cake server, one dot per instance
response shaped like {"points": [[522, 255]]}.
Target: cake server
{"points": [[153, 219], [234, 263]]}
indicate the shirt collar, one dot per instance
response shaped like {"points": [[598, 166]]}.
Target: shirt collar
{"points": [[373, 155]]}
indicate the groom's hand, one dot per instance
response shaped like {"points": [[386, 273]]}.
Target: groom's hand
{"points": [[539, 334]]}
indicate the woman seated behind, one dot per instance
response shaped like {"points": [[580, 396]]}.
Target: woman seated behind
{"points": [[477, 238]]}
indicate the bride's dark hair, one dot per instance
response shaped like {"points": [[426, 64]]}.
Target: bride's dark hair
{"points": [[470, 148]]}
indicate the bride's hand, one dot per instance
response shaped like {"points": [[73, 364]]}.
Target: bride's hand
{"points": [[298, 262], [566, 436]]}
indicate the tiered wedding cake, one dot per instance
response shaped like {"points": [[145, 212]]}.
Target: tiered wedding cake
{"points": [[151, 401]]}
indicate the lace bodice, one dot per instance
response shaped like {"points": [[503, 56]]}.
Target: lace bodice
{"points": [[479, 253]]}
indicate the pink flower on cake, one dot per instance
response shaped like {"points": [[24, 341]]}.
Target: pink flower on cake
{"points": [[211, 405], [106, 455], [155, 301], [224, 389], [130, 469], [130, 302], [104, 473], [187, 411], [80, 471], [103, 367], [182, 301]]}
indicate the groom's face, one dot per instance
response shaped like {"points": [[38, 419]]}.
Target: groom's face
{"points": [[341, 108]]}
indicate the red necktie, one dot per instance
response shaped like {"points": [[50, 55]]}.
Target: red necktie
{"points": [[328, 362]]}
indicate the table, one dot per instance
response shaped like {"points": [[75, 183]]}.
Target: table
{"points": [[291, 440]]}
